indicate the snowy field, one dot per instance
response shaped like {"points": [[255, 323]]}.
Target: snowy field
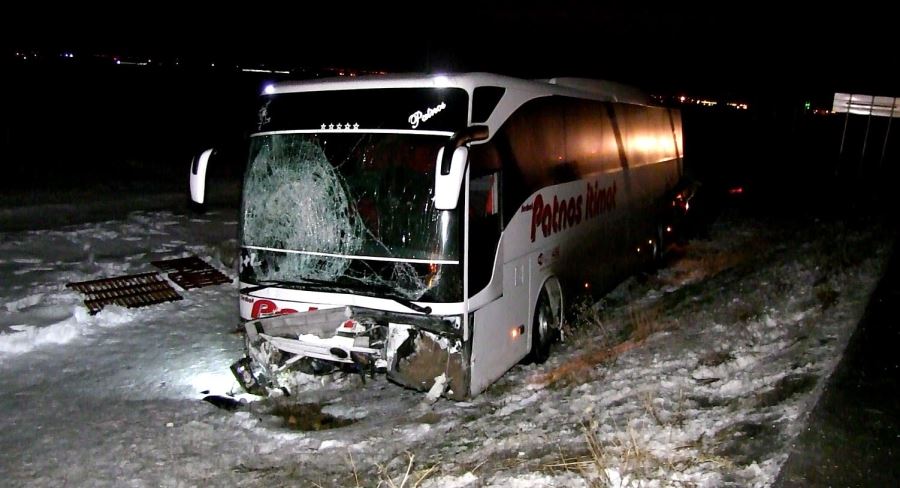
{"points": [[698, 375]]}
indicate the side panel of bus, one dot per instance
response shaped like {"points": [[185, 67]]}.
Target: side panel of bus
{"points": [[583, 188]]}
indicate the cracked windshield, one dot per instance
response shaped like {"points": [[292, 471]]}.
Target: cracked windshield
{"points": [[350, 211]]}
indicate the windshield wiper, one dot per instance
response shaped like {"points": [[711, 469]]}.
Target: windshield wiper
{"points": [[387, 292], [407, 303], [311, 283]]}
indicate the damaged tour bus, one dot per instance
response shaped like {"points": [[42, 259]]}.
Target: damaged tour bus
{"points": [[432, 227]]}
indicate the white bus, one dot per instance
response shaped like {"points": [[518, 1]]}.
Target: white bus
{"points": [[433, 227]]}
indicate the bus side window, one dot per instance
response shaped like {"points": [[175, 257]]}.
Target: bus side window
{"points": [[484, 196], [485, 222]]}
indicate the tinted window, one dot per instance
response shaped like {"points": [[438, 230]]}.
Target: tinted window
{"points": [[443, 109], [484, 101]]}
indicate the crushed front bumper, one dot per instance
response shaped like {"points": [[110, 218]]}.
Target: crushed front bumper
{"points": [[412, 349]]}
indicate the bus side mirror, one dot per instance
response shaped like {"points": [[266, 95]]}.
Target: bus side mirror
{"points": [[198, 176], [451, 166], [447, 186]]}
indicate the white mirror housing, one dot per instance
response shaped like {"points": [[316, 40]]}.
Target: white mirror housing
{"points": [[447, 186], [198, 176]]}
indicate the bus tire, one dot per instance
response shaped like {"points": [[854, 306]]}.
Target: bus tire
{"points": [[545, 329]]}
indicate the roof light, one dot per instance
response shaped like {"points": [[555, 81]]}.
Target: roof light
{"points": [[441, 81]]}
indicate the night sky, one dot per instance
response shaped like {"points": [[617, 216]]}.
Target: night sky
{"points": [[129, 122], [743, 50]]}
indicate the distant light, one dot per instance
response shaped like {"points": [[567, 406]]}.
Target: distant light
{"points": [[441, 81], [736, 190], [669, 228], [682, 98], [269, 89], [807, 105], [118, 62]]}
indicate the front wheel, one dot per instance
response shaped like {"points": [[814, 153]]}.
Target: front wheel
{"points": [[545, 329]]}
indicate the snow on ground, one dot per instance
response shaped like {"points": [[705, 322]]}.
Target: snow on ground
{"points": [[697, 375]]}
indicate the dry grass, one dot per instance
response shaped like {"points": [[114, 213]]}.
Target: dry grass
{"points": [[587, 319], [400, 480], [699, 266], [638, 326], [353, 465], [703, 261], [613, 332], [650, 408], [645, 322], [577, 369], [624, 453], [595, 459], [612, 336]]}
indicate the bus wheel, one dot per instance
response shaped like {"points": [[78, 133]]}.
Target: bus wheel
{"points": [[545, 330]]}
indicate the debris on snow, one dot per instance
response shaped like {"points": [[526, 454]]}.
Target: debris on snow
{"points": [[440, 384]]}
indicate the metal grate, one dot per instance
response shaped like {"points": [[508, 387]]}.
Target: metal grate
{"points": [[130, 291], [191, 272]]}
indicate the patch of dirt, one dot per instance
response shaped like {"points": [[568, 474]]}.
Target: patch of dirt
{"points": [[715, 358], [308, 416], [747, 442], [786, 387]]}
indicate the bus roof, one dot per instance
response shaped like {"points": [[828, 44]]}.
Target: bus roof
{"points": [[575, 87]]}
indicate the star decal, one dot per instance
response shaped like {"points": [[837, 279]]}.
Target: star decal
{"points": [[339, 126], [323, 126], [331, 126], [355, 126]]}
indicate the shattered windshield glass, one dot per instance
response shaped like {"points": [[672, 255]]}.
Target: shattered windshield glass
{"points": [[350, 212]]}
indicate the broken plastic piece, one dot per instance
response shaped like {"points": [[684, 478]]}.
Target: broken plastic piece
{"points": [[243, 372], [440, 384]]}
